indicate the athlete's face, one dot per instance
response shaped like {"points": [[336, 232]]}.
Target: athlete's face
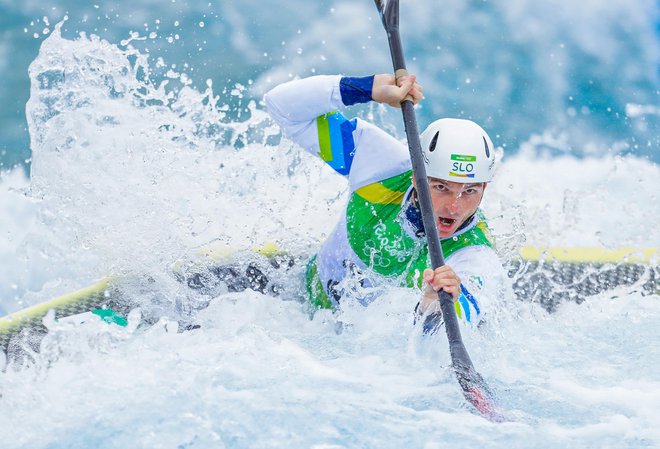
{"points": [[453, 203]]}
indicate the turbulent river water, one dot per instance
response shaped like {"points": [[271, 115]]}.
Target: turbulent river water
{"points": [[129, 174]]}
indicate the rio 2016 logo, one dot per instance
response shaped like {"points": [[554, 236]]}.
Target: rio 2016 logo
{"points": [[462, 165]]}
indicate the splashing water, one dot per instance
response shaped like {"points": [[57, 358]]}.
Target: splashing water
{"points": [[130, 174]]}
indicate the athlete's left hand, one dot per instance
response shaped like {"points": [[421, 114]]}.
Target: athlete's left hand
{"points": [[388, 90], [442, 278]]}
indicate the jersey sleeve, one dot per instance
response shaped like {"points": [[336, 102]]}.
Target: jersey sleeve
{"points": [[308, 111], [483, 282]]}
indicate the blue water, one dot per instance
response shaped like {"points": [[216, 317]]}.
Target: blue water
{"points": [[128, 176], [519, 68]]}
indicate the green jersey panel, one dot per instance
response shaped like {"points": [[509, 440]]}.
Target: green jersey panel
{"points": [[376, 234]]}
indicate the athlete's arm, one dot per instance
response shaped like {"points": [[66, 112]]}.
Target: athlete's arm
{"points": [[306, 109], [296, 104]]}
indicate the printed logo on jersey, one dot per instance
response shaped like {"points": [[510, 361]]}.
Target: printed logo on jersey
{"points": [[462, 165], [474, 283]]}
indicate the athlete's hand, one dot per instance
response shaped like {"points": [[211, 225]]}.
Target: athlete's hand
{"points": [[385, 89], [442, 278]]}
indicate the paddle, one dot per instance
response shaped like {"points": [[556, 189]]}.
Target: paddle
{"points": [[474, 388]]}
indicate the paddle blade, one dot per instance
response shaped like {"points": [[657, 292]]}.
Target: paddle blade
{"points": [[477, 393], [475, 389]]}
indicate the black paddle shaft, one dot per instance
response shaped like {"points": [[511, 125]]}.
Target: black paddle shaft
{"points": [[474, 388], [460, 357]]}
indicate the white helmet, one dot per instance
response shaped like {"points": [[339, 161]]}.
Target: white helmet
{"points": [[458, 150]]}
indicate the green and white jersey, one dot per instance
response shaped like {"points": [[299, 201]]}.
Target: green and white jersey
{"points": [[375, 241]]}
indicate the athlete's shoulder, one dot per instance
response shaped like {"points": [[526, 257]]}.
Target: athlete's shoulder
{"points": [[378, 156]]}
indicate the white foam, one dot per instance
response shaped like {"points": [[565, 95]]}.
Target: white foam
{"points": [[141, 184]]}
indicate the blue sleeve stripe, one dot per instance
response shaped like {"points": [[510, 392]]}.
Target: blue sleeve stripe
{"points": [[464, 304], [348, 144], [336, 141], [337, 144], [465, 292]]}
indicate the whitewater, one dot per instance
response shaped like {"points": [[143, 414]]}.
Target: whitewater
{"points": [[134, 167]]}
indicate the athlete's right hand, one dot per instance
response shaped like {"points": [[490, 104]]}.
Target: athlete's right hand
{"points": [[442, 278], [385, 89]]}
